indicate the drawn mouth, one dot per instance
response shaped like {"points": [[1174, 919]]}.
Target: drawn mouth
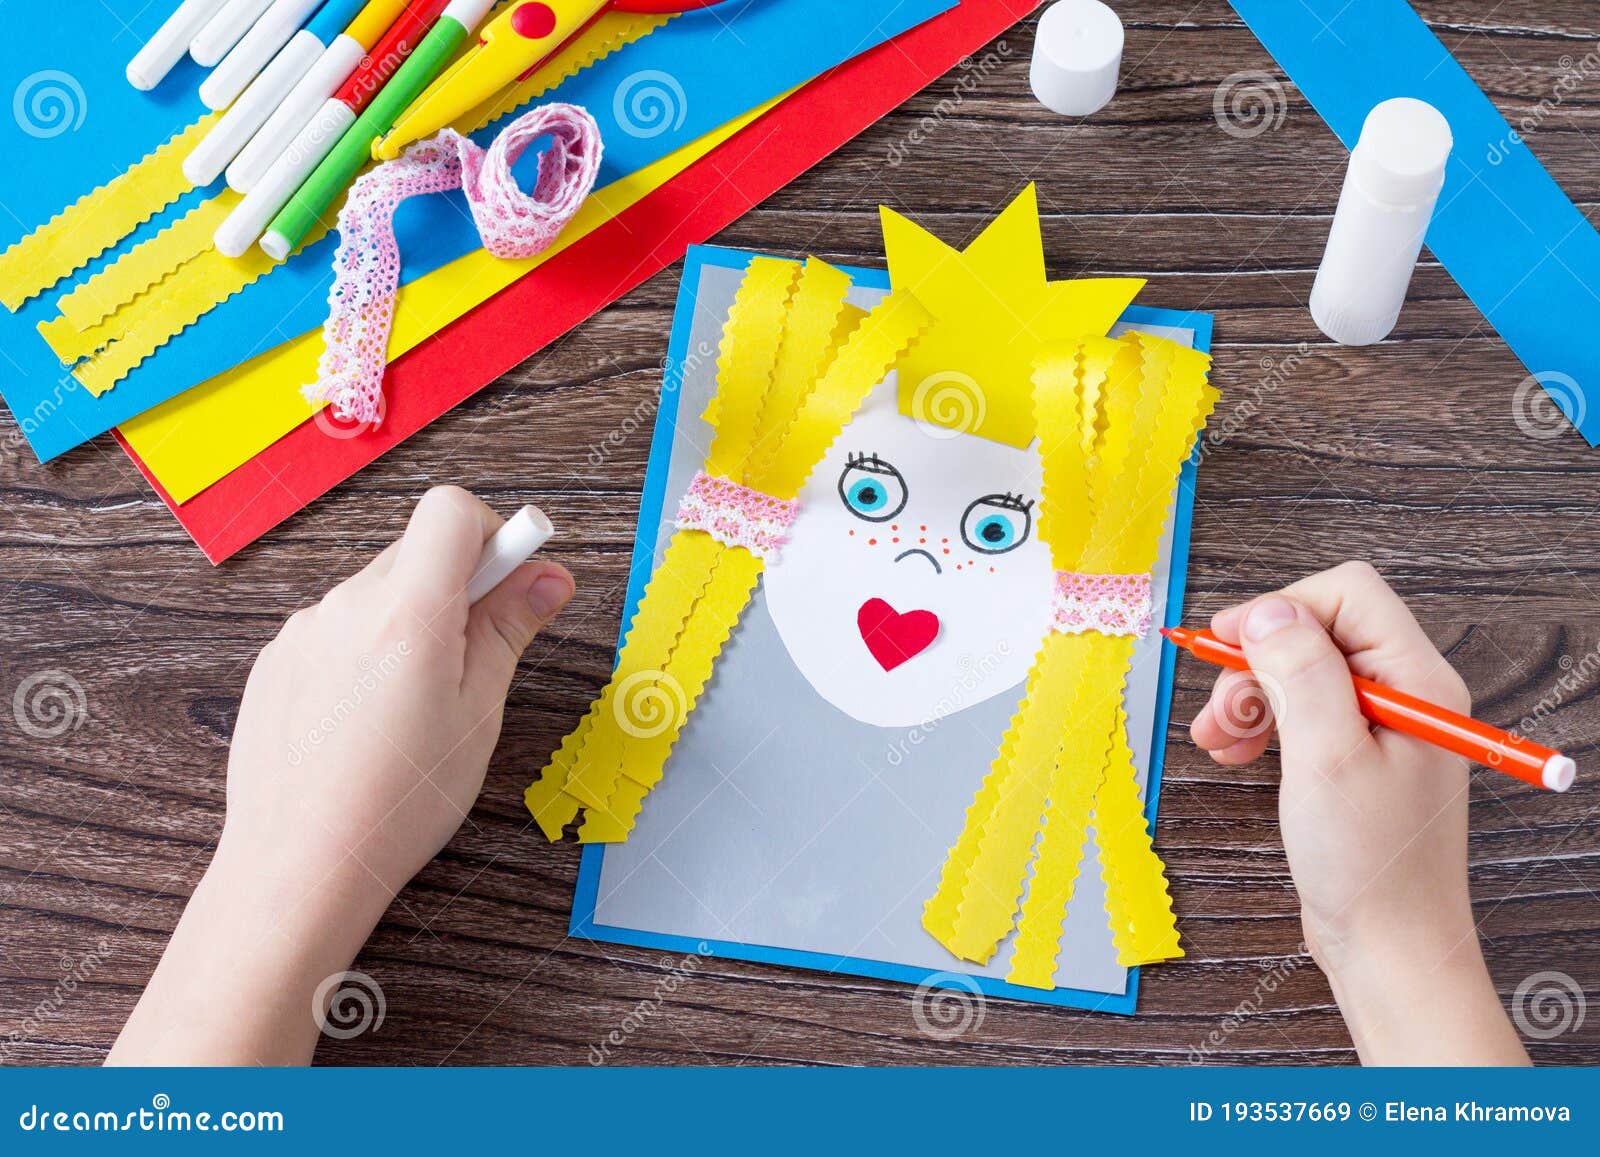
{"points": [[917, 550]]}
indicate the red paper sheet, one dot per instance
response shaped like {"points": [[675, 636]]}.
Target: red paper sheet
{"points": [[476, 349]]}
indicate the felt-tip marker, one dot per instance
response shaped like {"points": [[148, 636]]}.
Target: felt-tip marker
{"points": [[1398, 711]]}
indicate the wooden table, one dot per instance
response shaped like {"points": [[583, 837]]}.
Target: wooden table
{"points": [[1405, 453]]}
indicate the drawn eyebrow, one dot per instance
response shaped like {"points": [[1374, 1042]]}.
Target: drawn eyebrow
{"points": [[871, 462], [1010, 501]]}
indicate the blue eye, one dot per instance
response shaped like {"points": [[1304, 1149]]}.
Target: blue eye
{"points": [[996, 523], [871, 488]]}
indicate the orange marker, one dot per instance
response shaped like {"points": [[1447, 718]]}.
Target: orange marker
{"points": [[1409, 715]]}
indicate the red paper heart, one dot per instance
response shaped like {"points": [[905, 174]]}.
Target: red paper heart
{"points": [[893, 637]]}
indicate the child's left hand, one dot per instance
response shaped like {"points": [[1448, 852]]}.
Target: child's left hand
{"points": [[363, 738], [367, 724]]}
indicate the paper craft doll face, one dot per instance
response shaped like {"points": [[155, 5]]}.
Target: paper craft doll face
{"points": [[913, 583]]}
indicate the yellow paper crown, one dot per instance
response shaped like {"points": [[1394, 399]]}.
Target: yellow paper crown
{"points": [[993, 312]]}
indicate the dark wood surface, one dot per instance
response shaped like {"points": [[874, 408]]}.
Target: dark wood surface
{"points": [[1405, 453]]}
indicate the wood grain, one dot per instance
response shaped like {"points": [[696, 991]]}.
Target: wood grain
{"points": [[1404, 453]]}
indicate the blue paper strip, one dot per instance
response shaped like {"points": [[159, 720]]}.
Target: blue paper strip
{"points": [[1514, 242], [651, 504], [650, 99]]}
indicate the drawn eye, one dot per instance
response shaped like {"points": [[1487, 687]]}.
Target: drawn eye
{"points": [[871, 488], [997, 523]]}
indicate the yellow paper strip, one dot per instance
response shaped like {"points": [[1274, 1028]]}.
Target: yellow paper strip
{"points": [[148, 263], [1138, 906], [206, 432], [98, 220]]}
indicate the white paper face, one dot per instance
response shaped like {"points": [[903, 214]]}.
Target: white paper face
{"points": [[941, 527]]}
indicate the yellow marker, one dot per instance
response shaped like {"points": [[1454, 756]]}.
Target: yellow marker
{"points": [[513, 44]]}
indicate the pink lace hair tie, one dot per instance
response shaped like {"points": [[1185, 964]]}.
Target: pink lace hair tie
{"points": [[1112, 604], [513, 224], [736, 515]]}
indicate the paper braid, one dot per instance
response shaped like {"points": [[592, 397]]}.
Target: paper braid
{"points": [[795, 364]]}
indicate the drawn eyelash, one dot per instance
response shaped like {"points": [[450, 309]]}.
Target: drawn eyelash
{"points": [[1012, 501], [864, 461]]}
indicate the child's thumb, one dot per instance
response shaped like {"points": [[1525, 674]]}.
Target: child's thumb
{"points": [[506, 620], [1304, 676]]}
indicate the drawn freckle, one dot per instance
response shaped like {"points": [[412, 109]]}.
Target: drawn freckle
{"points": [[872, 542], [991, 570], [947, 550], [922, 528], [852, 534], [896, 538], [958, 566], [923, 541]]}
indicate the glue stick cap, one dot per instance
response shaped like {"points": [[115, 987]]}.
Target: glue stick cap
{"points": [[1077, 50], [1400, 155], [1396, 171]]}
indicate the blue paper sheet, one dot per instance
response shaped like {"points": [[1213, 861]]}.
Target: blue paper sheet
{"points": [[591, 895], [709, 66], [1514, 242]]}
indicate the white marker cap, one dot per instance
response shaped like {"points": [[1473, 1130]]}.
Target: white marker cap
{"points": [[1077, 51], [1396, 172], [1559, 772], [512, 545]]}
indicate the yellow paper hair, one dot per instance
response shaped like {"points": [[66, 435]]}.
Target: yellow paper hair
{"points": [[1116, 421], [795, 364]]}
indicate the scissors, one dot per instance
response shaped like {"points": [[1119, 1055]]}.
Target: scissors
{"points": [[512, 46]]}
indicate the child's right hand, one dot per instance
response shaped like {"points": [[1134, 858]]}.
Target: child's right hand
{"points": [[1374, 822]]}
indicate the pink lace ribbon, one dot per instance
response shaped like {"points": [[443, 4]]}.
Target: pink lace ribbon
{"points": [[366, 268], [736, 515], [1112, 604]]}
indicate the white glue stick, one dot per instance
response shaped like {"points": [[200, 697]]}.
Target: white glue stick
{"points": [[1077, 52], [512, 545], [171, 41], [1395, 174]]}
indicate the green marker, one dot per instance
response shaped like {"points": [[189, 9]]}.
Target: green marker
{"points": [[339, 168]]}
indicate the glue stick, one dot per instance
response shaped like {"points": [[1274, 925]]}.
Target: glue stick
{"points": [[1395, 174]]}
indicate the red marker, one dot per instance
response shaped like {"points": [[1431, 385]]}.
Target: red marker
{"points": [[1409, 715], [389, 53]]}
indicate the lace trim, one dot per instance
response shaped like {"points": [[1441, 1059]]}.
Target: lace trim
{"points": [[736, 515], [1112, 604], [513, 224]]}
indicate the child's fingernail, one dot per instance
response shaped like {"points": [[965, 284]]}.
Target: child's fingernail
{"points": [[549, 594], [1268, 617]]}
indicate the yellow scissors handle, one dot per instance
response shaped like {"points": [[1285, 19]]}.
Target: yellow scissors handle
{"points": [[512, 44]]}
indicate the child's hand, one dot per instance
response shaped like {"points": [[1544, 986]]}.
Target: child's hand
{"points": [[362, 741], [1374, 822], [367, 724]]}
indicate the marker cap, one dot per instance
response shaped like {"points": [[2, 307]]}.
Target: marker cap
{"points": [[1077, 51]]}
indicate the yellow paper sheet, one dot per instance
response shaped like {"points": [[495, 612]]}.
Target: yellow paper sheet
{"points": [[193, 440]]}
